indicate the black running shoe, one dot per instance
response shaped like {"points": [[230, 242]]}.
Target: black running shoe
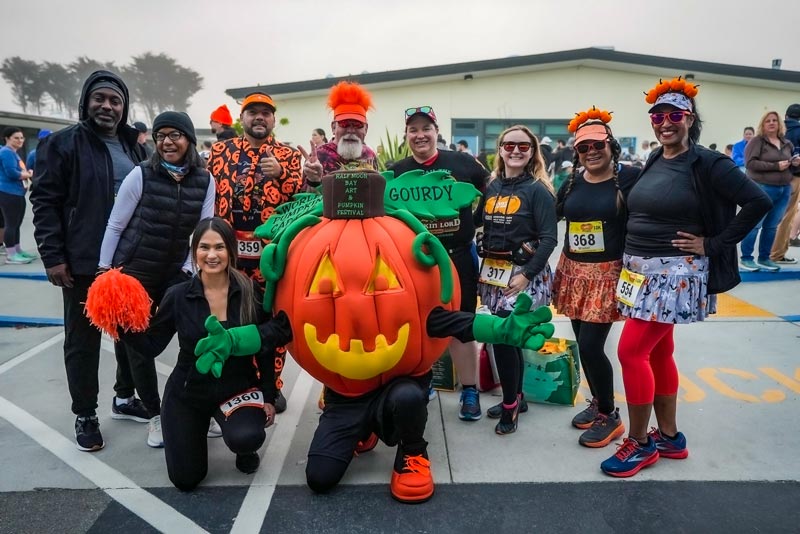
{"points": [[586, 418], [248, 462], [508, 420], [134, 411], [497, 410], [280, 403], [87, 433]]}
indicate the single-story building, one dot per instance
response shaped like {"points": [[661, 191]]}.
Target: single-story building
{"points": [[30, 126], [475, 100]]}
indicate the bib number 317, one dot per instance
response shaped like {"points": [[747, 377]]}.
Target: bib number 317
{"points": [[496, 272]]}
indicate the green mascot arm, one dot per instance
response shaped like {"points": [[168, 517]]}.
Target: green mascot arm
{"points": [[214, 349], [523, 328]]}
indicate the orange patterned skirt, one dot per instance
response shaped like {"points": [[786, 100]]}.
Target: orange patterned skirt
{"points": [[587, 291]]}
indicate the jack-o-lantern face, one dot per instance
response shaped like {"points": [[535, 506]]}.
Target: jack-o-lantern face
{"points": [[359, 301]]}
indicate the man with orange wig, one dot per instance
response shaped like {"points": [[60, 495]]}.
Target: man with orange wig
{"points": [[349, 102]]}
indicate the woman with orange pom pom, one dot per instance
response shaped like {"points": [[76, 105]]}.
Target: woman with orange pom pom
{"points": [[157, 207], [241, 395], [680, 252], [593, 202]]}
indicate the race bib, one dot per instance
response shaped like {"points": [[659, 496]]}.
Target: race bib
{"points": [[248, 245], [629, 286], [586, 237], [496, 272], [251, 397]]}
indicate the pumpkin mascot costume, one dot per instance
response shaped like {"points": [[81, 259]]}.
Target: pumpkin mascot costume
{"points": [[372, 303]]}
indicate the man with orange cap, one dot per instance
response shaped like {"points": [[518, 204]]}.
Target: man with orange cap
{"points": [[255, 174], [221, 123], [349, 102]]}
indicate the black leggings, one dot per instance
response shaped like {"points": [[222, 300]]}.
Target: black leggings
{"points": [[597, 368], [13, 209], [184, 423], [510, 366], [398, 416]]}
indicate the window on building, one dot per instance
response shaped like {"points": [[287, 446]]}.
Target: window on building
{"points": [[487, 130]]}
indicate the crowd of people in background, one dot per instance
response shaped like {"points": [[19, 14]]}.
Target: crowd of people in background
{"points": [[650, 240]]}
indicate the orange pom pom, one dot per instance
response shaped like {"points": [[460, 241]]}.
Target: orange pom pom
{"points": [[349, 93], [116, 300]]}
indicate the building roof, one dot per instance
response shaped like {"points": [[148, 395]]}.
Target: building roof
{"points": [[588, 57]]}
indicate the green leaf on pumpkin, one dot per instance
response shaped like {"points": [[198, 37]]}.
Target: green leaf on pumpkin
{"points": [[286, 214], [432, 195]]}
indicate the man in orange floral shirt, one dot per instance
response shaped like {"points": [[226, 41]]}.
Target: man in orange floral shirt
{"points": [[255, 174]]}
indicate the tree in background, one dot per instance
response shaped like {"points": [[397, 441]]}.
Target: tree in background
{"points": [[157, 83], [27, 84]]}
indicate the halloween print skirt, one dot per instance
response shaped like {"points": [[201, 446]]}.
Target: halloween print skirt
{"points": [[586, 291], [674, 290], [540, 289]]}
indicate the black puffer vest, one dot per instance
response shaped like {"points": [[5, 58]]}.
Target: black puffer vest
{"points": [[154, 245]]}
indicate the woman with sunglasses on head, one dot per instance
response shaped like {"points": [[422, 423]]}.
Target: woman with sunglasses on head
{"points": [[520, 233], [680, 252], [592, 200], [158, 205], [770, 162]]}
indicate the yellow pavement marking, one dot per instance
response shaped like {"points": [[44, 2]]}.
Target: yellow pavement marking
{"points": [[729, 306]]}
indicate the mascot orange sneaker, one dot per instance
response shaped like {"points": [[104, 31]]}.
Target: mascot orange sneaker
{"points": [[412, 483]]}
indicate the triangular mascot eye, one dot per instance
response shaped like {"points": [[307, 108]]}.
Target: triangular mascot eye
{"points": [[326, 280], [383, 278]]}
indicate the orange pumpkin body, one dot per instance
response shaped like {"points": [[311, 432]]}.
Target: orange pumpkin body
{"points": [[356, 296]]}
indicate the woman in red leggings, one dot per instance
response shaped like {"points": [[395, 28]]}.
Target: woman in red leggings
{"points": [[680, 251]]}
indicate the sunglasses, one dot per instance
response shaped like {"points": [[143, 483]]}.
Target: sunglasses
{"points": [[350, 123], [173, 136], [508, 146], [410, 112], [583, 148], [673, 116]]}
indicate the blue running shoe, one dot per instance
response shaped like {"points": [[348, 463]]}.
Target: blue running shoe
{"points": [[669, 448], [431, 393], [630, 458], [469, 407]]}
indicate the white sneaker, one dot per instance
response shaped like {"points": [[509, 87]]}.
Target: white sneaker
{"points": [[154, 436], [214, 430]]}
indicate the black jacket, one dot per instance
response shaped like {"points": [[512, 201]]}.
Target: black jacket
{"points": [[721, 187], [73, 190], [184, 310], [154, 245]]}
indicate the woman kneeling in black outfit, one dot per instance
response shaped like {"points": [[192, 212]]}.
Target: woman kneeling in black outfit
{"points": [[242, 398]]}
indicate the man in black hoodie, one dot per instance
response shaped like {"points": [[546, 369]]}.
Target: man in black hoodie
{"points": [[78, 174]]}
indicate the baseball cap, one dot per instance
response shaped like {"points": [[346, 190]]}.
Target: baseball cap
{"points": [[258, 98], [421, 110], [591, 131], [678, 100]]}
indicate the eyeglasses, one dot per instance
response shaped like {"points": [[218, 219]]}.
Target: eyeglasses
{"points": [[508, 146], [673, 116], [410, 112], [174, 135], [349, 123], [583, 148]]}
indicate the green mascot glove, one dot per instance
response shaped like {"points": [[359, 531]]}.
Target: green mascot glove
{"points": [[523, 328], [214, 349]]}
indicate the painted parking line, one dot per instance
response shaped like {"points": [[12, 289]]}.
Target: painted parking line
{"points": [[119, 487], [259, 496], [30, 353]]}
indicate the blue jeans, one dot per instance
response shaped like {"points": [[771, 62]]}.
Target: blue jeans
{"points": [[779, 195]]}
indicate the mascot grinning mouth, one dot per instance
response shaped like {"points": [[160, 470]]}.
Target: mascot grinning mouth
{"points": [[357, 363]]}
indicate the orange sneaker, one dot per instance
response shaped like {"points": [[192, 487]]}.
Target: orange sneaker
{"points": [[414, 483], [367, 445]]}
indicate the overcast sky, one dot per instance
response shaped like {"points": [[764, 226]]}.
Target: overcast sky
{"points": [[237, 43]]}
